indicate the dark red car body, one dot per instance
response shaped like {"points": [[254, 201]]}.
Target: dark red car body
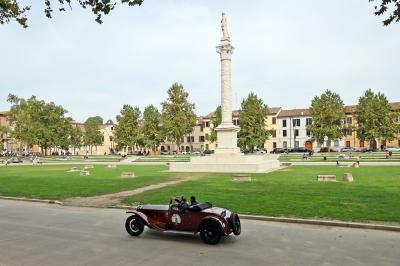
{"points": [[202, 218]]}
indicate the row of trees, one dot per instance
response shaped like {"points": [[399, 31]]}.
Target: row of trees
{"points": [[36, 122], [374, 115]]}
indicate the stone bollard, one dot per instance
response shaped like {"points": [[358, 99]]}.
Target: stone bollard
{"points": [[326, 178], [348, 177], [242, 178]]}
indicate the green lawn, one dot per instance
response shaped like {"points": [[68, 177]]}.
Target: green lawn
{"points": [[294, 192], [164, 158], [54, 182], [332, 157]]}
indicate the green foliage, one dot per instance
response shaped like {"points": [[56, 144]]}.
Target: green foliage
{"points": [[37, 122], [76, 137], [383, 8], [216, 121], [252, 117], [328, 112], [13, 9], [127, 130], [178, 117], [375, 119], [152, 131], [92, 136]]}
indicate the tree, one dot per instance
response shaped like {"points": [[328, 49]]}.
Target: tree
{"points": [[92, 136], [383, 8], [252, 117], [375, 119], [127, 131], [216, 121], [37, 122], [178, 117], [76, 138], [151, 130], [328, 113], [14, 10]]}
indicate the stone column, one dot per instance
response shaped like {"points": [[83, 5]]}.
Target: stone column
{"points": [[226, 132]]}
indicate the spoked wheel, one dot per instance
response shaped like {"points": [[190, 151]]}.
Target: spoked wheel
{"points": [[134, 225], [210, 233], [235, 224]]}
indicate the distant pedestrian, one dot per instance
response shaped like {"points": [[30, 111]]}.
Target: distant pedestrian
{"points": [[390, 154]]}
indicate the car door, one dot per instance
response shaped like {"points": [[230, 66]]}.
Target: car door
{"points": [[180, 221]]}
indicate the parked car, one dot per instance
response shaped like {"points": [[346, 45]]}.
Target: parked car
{"points": [[298, 149], [208, 152], [326, 149], [211, 222], [391, 148], [16, 159], [278, 150], [164, 152], [347, 149]]}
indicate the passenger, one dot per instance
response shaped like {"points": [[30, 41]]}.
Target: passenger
{"points": [[183, 206], [193, 201]]}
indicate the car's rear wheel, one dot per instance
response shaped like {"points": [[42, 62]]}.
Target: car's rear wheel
{"points": [[210, 232], [134, 225], [235, 225]]}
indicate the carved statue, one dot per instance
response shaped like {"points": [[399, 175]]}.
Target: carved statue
{"points": [[224, 26]]}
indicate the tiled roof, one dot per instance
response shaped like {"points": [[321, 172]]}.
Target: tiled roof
{"points": [[3, 112], [351, 109], [294, 112], [236, 113]]}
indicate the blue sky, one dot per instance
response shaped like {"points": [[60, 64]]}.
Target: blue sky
{"points": [[286, 51]]}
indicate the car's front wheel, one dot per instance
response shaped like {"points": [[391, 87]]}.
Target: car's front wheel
{"points": [[134, 225], [235, 224], [210, 232]]}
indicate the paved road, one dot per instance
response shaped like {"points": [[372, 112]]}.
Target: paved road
{"points": [[40, 234]]}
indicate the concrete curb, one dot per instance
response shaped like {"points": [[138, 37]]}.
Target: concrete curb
{"points": [[32, 200], [322, 222], [370, 226]]}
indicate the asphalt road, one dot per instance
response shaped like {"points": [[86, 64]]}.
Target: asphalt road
{"points": [[41, 234]]}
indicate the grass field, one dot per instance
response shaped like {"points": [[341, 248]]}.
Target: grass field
{"points": [[294, 192], [164, 158], [54, 182], [333, 157], [99, 158]]}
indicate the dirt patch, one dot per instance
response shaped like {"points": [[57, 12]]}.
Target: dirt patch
{"points": [[112, 200]]}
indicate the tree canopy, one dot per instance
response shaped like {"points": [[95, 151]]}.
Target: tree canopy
{"points": [[36, 122], [15, 10], [216, 121], [252, 117], [390, 7], [178, 117], [127, 131], [151, 129], [92, 136], [328, 113], [375, 119]]}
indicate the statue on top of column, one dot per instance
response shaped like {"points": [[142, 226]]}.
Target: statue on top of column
{"points": [[224, 26]]}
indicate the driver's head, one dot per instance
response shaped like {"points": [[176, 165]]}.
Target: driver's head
{"points": [[192, 198], [183, 199]]}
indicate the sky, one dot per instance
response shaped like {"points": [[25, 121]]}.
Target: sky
{"points": [[286, 52]]}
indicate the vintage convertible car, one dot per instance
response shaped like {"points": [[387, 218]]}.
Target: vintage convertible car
{"points": [[211, 222]]}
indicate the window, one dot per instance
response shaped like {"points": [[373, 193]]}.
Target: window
{"points": [[112, 128], [285, 144], [296, 122], [308, 121], [274, 145], [284, 133], [362, 144], [274, 133], [274, 120], [238, 122], [111, 138], [202, 128], [308, 133], [296, 144], [206, 146], [349, 120], [208, 124], [349, 132], [296, 132], [188, 139], [201, 139], [284, 123], [348, 144], [192, 139]]}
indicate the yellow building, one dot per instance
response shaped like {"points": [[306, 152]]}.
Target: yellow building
{"points": [[351, 139]]}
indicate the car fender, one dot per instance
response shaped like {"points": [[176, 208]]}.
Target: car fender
{"points": [[142, 216], [225, 229]]}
